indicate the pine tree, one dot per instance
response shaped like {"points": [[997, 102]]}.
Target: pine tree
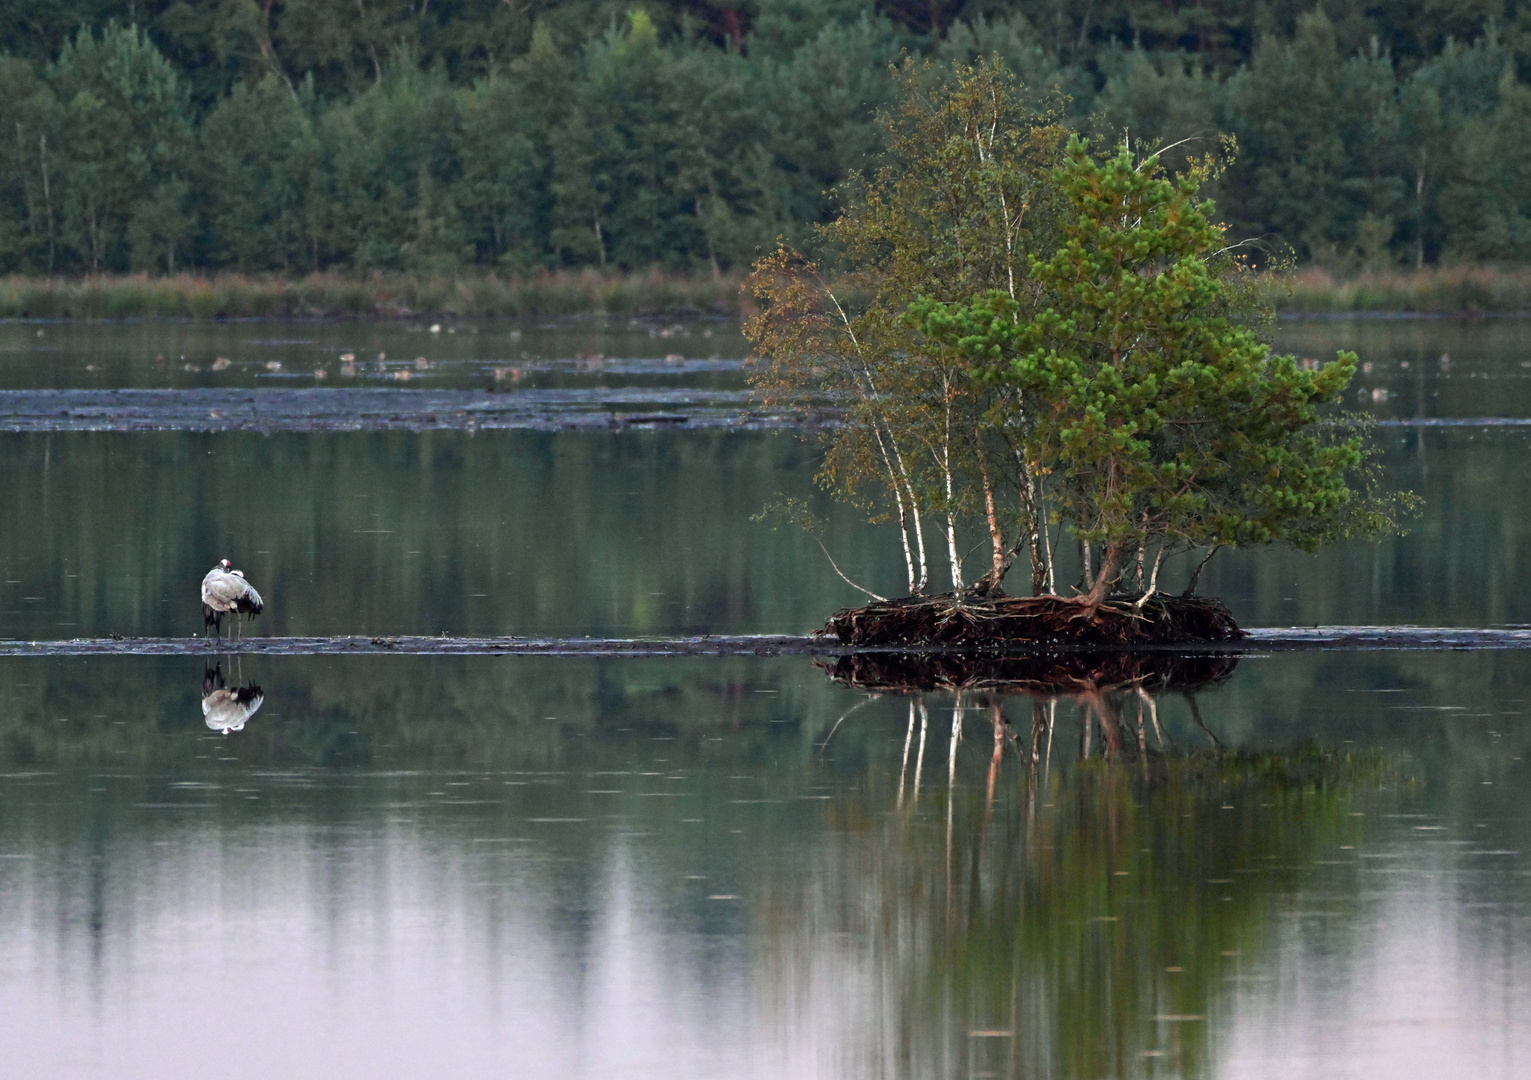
{"points": [[1162, 424]]}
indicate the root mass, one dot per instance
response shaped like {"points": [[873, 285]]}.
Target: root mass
{"points": [[999, 623]]}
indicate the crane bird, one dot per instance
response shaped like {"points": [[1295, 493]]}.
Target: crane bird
{"points": [[226, 710], [225, 591]]}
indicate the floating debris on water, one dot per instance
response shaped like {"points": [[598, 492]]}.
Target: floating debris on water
{"points": [[217, 409]]}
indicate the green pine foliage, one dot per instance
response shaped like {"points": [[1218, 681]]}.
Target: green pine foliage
{"points": [[1154, 416], [688, 135]]}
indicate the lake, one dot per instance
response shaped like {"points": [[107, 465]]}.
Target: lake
{"points": [[1316, 864]]}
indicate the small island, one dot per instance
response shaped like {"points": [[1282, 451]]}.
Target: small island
{"points": [[1017, 340]]}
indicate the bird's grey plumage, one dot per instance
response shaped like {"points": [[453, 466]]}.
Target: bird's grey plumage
{"points": [[227, 710], [225, 591]]}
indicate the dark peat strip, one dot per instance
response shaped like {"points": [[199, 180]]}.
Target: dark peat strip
{"points": [[376, 409], [1265, 639]]}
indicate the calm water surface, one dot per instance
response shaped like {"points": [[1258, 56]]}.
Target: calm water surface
{"points": [[705, 868], [460, 355], [639, 531], [681, 868], [1411, 368]]}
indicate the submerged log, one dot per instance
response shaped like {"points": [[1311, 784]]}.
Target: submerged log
{"points": [[995, 624], [1047, 674]]}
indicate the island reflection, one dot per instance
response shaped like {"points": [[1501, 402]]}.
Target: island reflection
{"points": [[1197, 910], [1092, 902]]}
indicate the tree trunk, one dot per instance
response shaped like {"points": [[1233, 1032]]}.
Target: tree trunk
{"points": [[919, 543], [1419, 214], [93, 232], [1111, 561], [914, 511], [897, 454], [1153, 581], [952, 554], [268, 49], [996, 537], [1190, 588], [42, 157], [915, 588], [1036, 526], [993, 583], [1041, 561]]}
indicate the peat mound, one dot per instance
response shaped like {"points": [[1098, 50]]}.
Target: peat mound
{"points": [[995, 624], [1049, 674]]}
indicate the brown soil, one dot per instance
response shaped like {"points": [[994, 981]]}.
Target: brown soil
{"points": [[1052, 621], [1063, 673]]}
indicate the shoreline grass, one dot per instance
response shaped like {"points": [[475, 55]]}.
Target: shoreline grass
{"points": [[1460, 291], [390, 296], [1463, 292]]}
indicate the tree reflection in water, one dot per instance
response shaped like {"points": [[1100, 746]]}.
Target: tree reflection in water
{"points": [[1076, 914]]}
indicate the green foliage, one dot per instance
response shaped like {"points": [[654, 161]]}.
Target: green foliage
{"points": [[689, 134], [1161, 423], [390, 161], [259, 173], [1486, 204], [960, 202], [125, 135]]}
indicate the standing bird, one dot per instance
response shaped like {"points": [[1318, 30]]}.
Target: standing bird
{"points": [[225, 590]]}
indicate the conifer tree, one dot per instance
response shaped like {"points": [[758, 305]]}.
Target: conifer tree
{"points": [[1162, 423]]}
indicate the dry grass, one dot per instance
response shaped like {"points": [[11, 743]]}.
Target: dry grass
{"points": [[232, 296], [1436, 291], [1446, 290]]}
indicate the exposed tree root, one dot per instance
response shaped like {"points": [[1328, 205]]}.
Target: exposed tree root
{"points": [[1061, 673], [994, 624]]}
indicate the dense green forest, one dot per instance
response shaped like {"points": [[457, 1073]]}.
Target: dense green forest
{"points": [[433, 135]]}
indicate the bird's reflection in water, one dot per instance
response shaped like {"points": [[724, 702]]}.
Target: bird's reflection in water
{"points": [[228, 708]]}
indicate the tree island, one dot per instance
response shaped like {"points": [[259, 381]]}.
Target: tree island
{"points": [[1030, 342]]}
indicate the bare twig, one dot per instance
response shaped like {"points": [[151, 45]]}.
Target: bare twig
{"points": [[848, 581]]}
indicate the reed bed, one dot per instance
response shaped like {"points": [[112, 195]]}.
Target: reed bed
{"points": [[1446, 290], [237, 296]]}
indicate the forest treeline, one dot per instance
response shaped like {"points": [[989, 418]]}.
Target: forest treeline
{"points": [[301, 135]]}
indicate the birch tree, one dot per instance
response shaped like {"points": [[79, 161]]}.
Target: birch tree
{"points": [[963, 200]]}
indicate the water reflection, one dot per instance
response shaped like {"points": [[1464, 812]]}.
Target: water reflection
{"points": [[618, 534], [475, 354], [1115, 695], [1092, 905], [228, 708], [580, 867], [1050, 673]]}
